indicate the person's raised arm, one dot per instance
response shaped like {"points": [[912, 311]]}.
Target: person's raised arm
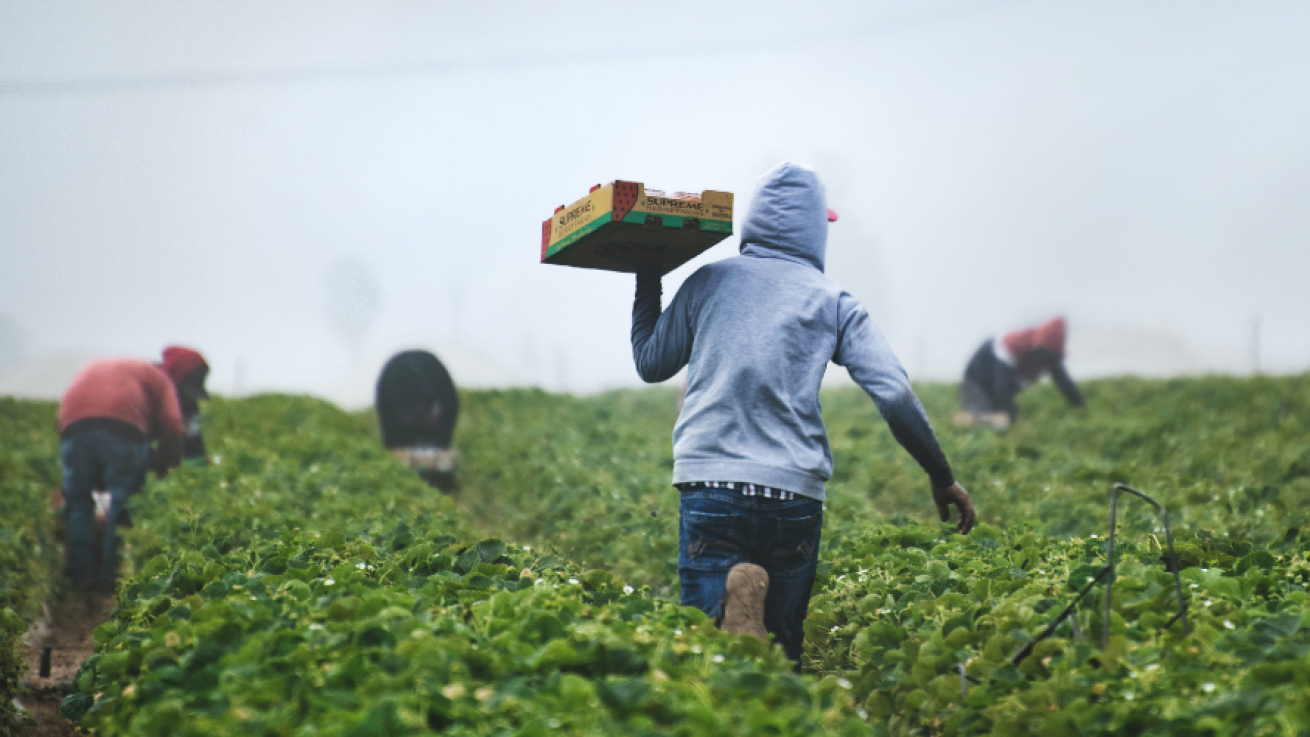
{"points": [[865, 353], [661, 340]]}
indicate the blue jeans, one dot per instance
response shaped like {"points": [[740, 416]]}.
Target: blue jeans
{"points": [[721, 528], [98, 459]]}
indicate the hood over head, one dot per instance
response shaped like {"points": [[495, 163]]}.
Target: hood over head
{"points": [[180, 362], [787, 217], [1049, 335]]}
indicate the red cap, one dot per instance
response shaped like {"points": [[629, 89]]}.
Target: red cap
{"points": [[832, 215], [179, 361], [1051, 335]]}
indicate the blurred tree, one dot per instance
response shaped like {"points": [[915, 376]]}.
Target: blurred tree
{"points": [[352, 300], [13, 340]]}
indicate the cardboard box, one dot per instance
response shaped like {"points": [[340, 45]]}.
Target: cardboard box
{"points": [[624, 212]]}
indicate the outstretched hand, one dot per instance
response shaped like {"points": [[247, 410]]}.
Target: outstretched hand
{"points": [[641, 258], [955, 495]]}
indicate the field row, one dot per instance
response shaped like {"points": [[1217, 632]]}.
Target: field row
{"points": [[306, 583], [29, 552]]}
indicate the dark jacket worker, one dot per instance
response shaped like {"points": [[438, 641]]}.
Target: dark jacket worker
{"points": [[1005, 365], [417, 408]]}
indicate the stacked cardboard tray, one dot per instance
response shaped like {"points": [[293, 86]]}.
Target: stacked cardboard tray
{"points": [[621, 213]]}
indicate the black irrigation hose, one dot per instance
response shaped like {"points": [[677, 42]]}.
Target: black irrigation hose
{"points": [[1173, 559], [65, 686], [1106, 573], [1028, 649]]}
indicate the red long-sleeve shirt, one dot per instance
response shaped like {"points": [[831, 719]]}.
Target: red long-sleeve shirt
{"points": [[129, 391]]}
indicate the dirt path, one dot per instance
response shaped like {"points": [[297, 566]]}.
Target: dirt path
{"points": [[69, 638]]}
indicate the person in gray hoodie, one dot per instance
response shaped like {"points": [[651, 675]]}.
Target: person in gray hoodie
{"points": [[751, 455]]}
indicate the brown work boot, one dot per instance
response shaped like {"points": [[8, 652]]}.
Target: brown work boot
{"points": [[743, 606]]}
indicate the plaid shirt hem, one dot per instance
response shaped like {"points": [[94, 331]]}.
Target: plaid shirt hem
{"points": [[768, 492]]}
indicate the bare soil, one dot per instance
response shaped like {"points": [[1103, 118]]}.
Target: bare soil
{"points": [[73, 621]]}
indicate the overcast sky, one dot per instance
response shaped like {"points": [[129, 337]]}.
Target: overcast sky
{"points": [[237, 175]]}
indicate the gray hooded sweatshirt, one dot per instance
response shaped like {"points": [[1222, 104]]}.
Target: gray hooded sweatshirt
{"points": [[757, 331]]}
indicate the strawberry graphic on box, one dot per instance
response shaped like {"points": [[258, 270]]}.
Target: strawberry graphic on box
{"points": [[623, 213]]}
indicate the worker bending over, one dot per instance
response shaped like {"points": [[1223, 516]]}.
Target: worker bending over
{"points": [[1005, 365], [417, 409], [107, 420]]}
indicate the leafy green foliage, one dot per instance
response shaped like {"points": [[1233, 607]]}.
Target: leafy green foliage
{"points": [[1207, 448], [229, 623], [354, 639], [587, 476], [282, 463], [585, 471], [29, 454], [308, 582], [903, 606]]}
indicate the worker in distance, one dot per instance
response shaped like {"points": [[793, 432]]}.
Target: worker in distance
{"points": [[1007, 364], [417, 407], [108, 418]]}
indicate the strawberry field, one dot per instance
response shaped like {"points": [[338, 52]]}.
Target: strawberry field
{"points": [[305, 583]]}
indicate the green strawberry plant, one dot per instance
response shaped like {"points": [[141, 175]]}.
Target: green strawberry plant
{"points": [[307, 583], [29, 562]]}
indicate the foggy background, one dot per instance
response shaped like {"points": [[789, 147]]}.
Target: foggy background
{"points": [[299, 189]]}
